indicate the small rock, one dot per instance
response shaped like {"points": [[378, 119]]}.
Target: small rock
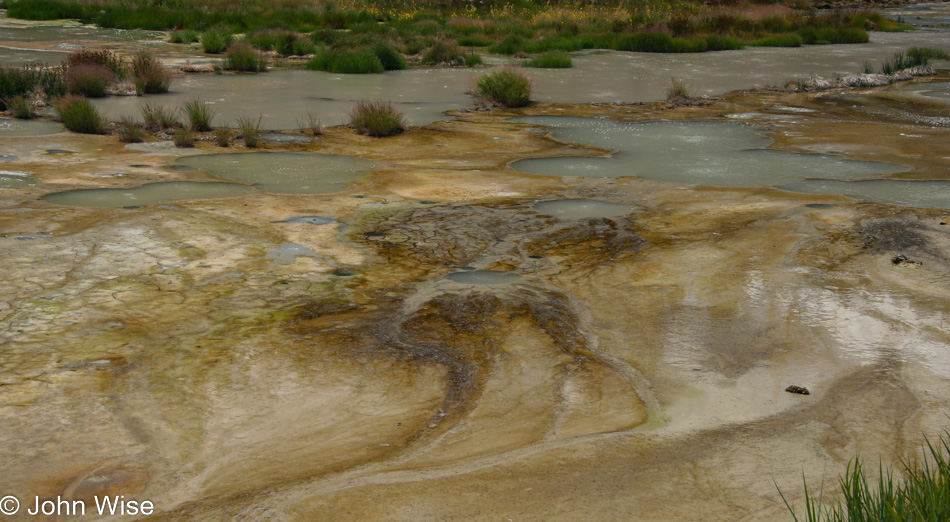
{"points": [[801, 390], [898, 259]]}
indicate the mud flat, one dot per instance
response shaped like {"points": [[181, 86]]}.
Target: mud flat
{"points": [[269, 354]]}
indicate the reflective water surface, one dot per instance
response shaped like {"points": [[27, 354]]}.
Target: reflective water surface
{"points": [[284, 172]]}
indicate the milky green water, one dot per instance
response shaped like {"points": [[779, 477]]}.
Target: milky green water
{"points": [[923, 193], [706, 153], [146, 194], [54, 33], [11, 179], [582, 208], [284, 172], [13, 128]]}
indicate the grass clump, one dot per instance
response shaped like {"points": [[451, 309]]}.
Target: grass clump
{"points": [[184, 138], [30, 80], [923, 55], [130, 131], [346, 62], [472, 59], [185, 36], [199, 115], [551, 60], [90, 80], [150, 76], [922, 494], [250, 130], [511, 44], [444, 52], [21, 108], [102, 58], [222, 137], [388, 56], [216, 40], [79, 115], [779, 40], [507, 87], [311, 124], [677, 90], [158, 117], [242, 57], [377, 118]]}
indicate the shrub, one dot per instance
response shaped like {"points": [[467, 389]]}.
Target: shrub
{"points": [[79, 115], [508, 87], [151, 77], [158, 117], [88, 80], [779, 40], [184, 138], [312, 124], [250, 130], [389, 57], [199, 115], [129, 131], [243, 57], [216, 40], [185, 36], [21, 108], [377, 118], [102, 57], [346, 62], [222, 137], [551, 60], [444, 52]]}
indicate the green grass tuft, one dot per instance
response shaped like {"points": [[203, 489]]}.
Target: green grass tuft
{"points": [[388, 56], [444, 52], [21, 108], [244, 58], [216, 40], [184, 138], [199, 115], [507, 87], [185, 36], [80, 115], [346, 62], [779, 40], [158, 117], [921, 494], [89, 80], [129, 131], [250, 130], [551, 60], [151, 77], [377, 118]]}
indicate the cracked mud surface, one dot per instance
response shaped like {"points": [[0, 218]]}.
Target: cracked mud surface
{"points": [[635, 370]]}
